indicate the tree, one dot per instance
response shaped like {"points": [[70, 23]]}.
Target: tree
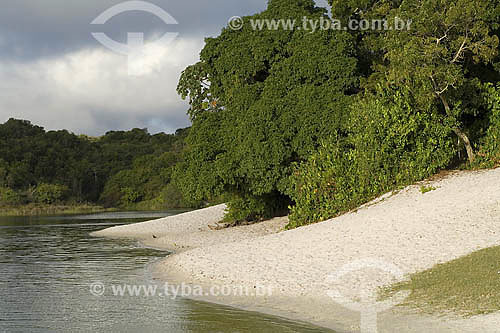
{"points": [[4, 169], [49, 193], [259, 102], [435, 58]]}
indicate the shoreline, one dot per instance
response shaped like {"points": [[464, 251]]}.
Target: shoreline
{"points": [[412, 230]]}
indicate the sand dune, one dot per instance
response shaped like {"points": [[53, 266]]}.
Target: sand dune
{"points": [[190, 230]]}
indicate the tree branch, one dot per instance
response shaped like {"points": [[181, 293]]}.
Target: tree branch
{"points": [[462, 48]]}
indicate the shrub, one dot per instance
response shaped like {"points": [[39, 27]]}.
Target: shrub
{"points": [[129, 196], [389, 144], [489, 153], [49, 193], [254, 208], [122, 189], [323, 186], [171, 197], [9, 197]]}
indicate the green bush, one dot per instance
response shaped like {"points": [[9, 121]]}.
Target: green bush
{"points": [[246, 208], [129, 196], [49, 193], [489, 153], [389, 144], [323, 186], [9, 197]]}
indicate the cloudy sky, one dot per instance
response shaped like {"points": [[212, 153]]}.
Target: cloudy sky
{"points": [[56, 74]]}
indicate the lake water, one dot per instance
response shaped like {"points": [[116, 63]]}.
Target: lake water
{"points": [[47, 266]]}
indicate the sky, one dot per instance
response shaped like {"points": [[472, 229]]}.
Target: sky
{"points": [[56, 74]]}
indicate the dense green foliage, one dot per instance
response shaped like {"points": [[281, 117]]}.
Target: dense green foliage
{"points": [[117, 169], [49, 193], [447, 51], [328, 120], [433, 93], [147, 183], [489, 153], [271, 96], [390, 143]]}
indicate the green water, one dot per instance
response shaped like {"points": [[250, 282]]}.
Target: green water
{"points": [[48, 264]]}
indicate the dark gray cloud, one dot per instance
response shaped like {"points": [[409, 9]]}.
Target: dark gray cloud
{"points": [[41, 28]]}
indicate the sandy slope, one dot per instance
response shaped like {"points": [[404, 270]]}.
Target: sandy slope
{"points": [[405, 233], [190, 230]]}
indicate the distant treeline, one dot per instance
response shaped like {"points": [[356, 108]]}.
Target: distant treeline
{"points": [[120, 169]]}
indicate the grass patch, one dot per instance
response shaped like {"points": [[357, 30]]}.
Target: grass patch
{"points": [[424, 189], [466, 286]]}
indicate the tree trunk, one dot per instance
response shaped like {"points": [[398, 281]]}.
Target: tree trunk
{"points": [[466, 141], [461, 135]]}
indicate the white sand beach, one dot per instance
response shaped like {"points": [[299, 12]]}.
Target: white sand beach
{"points": [[402, 232], [190, 230]]}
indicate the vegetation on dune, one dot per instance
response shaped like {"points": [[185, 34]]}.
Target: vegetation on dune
{"points": [[325, 121], [489, 152], [389, 144]]}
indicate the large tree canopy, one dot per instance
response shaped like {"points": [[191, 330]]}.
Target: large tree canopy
{"points": [[260, 100], [438, 57], [445, 57]]}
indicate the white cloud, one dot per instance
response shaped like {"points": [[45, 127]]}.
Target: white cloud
{"points": [[91, 92]]}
